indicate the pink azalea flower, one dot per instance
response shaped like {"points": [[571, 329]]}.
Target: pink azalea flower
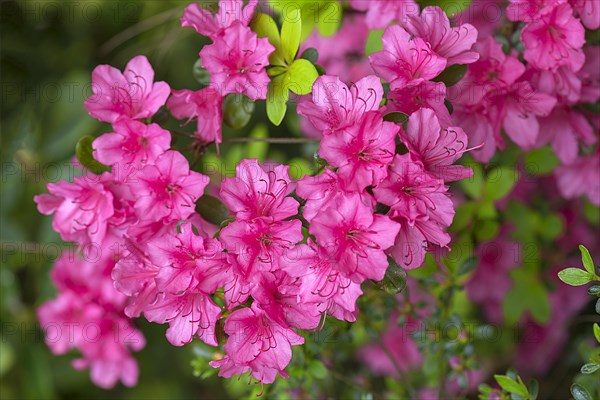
{"points": [[485, 15], [564, 128], [322, 281], [257, 344], [362, 152], [320, 191], [529, 10], [581, 177], [590, 75], [414, 238], [405, 60], [411, 192], [554, 39], [427, 94], [343, 54], [256, 193], [562, 83], [355, 237], [237, 61], [438, 149], [452, 43], [258, 245], [131, 144], [81, 209], [168, 189], [205, 106], [132, 94], [381, 12], [214, 26], [335, 106], [588, 11]]}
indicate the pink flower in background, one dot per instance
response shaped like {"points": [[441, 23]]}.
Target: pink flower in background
{"points": [[256, 193], [81, 209], [405, 60], [381, 12], [588, 11], [362, 151], [204, 106], [168, 190], [355, 237], [132, 94], [426, 94], [335, 106], [237, 61], [257, 344], [436, 148], [529, 10], [452, 43], [131, 144], [581, 177], [215, 25], [554, 39], [88, 303]]}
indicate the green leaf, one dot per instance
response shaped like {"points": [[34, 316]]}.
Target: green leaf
{"points": [[452, 75], [317, 369], [473, 186], [212, 209], [201, 75], [302, 75], [277, 97], [265, 27], [394, 280], [580, 393], [511, 386], [464, 216], [574, 276], [597, 332], [374, 42], [598, 307], [541, 161], [594, 290], [311, 54], [551, 226], [587, 259], [499, 183], [237, 110], [396, 117], [467, 265], [590, 368], [84, 152], [534, 389], [486, 230], [291, 31]]}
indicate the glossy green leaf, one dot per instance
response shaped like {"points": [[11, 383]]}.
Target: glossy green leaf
{"points": [[277, 97], [302, 75], [201, 75], [212, 209], [394, 280], [311, 54], [590, 368], [396, 117], [291, 31], [588, 263], [85, 155], [597, 332], [452, 75], [237, 110], [574, 276], [580, 393]]}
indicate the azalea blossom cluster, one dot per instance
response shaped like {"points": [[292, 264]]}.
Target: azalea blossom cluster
{"points": [[294, 252]]}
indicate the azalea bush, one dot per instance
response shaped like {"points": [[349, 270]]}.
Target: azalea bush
{"points": [[352, 199]]}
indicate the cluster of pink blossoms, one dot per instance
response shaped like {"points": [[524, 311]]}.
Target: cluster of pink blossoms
{"points": [[261, 277]]}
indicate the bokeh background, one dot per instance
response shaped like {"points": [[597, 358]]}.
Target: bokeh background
{"points": [[47, 52]]}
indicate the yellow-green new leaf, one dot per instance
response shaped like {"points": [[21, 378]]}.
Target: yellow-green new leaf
{"points": [[291, 31], [277, 97], [265, 27], [329, 18], [302, 76]]}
